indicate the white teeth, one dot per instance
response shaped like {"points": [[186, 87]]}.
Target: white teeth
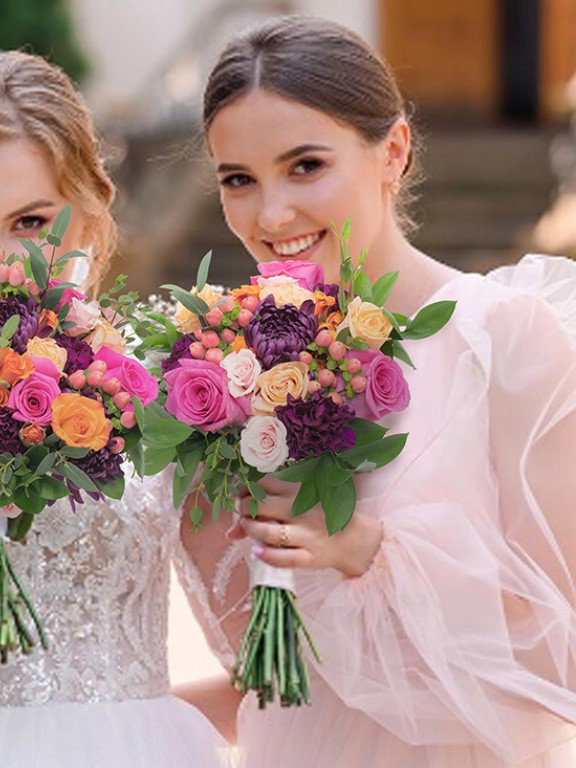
{"points": [[293, 247]]}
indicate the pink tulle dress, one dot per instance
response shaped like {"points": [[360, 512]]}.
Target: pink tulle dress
{"points": [[457, 648]]}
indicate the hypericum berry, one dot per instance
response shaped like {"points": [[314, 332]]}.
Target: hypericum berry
{"points": [[121, 399], [33, 288], [210, 339], [97, 365], [244, 317], [336, 398], [314, 386], [95, 378], [116, 444], [337, 350], [214, 355], [227, 305], [250, 303], [227, 335], [214, 317], [324, 338], [112, 386], [197, 350], [305, 357], [16, 274], [128, 420], [354, 365], [77, 380], [326, 378], [4, 272], [358, 384], [198, 334]]}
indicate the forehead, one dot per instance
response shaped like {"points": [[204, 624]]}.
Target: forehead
{"points": [[25, 172], [262, 122]]}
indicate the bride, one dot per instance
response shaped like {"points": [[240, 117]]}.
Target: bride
{"points": [[98, 698]]}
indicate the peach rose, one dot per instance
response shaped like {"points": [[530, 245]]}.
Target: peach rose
{"points": [[188, 321], [84, 314], [32, 434], [274, 386], [49, 349], [239, 294], [105, 335], [4, 395], [367, 321], [238, 343], [47, 319], [80, 421], [285, 291], [14, 367], [323, 303]]}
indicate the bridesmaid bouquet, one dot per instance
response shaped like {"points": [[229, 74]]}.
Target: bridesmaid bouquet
{"points": [[67, 394], [286, 375]]}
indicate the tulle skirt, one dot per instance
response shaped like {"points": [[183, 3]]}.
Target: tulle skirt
{"points": [[163, 732]]}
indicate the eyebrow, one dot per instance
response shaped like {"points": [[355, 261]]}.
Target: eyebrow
{"points": [[302, 149], [32, 207]]}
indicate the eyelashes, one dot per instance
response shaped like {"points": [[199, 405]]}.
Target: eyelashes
{"points": [[30, 223], [306, 166]]}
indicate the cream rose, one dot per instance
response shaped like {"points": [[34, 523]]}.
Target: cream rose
{"points": [[263, 443], [285, 290], [105, 335], [243, 370], [85, 315], [367, 321], [188, 321], [274, 386], [49, 349]]}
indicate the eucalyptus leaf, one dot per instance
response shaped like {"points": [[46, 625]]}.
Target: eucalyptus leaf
{"points": [[202, 275], [10, 327], [227, 451], [74, 453], [46, 464], [77, 476], [187, 299], [62, 221], [38, 263]]}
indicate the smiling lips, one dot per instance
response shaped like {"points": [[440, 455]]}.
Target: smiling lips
{"points": [[296, 246]]}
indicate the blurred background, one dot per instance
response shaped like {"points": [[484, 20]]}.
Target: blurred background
{"points": [[492, 86]]}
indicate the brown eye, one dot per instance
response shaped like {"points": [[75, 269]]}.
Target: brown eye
{"points": [[236, 180], [306, 166]]}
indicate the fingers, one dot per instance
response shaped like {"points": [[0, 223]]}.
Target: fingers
{"points": [[281, 557], [272, 534]]}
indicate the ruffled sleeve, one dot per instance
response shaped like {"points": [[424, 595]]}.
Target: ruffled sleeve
{"points": [[463, 630]]}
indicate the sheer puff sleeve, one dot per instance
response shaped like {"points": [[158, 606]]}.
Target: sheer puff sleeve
{"points": [[463, 630]]}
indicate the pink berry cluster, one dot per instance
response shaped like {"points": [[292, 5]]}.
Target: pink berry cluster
{"points": [[331, 367], [223, 323], [12, 273], [117, 401]]}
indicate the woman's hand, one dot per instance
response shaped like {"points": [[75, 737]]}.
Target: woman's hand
{"points": [[303, 542]]}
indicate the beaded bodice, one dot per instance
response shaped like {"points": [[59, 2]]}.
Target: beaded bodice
{"points": [[99, 578]]}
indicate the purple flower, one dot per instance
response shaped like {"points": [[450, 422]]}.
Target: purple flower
{"points": [[80, 354], [316, 425], [330, 289], [180, 351], [28, 320], [101, 465], [9, 429], [278, 334]]}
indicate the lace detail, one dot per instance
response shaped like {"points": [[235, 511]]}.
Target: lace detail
{"points": [[100, 580]]}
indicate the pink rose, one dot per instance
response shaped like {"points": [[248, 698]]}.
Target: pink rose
{"points": [[31, 399], [386, 388], [198, 395], [243, 369], [84, 314], [308, 274], [263, 443], [67, 295], [131, 374]]}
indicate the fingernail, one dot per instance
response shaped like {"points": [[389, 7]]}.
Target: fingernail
{"points": [[257, 550]]}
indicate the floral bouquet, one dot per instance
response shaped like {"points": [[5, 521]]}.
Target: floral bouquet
{"points": [[288, 376], [67, 394]]}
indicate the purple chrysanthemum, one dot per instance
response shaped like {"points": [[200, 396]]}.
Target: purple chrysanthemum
{"points": [[180, 350], [279, 334], [9, 428], [26, 308], [316, 425], [80, 354], [101, 465]]}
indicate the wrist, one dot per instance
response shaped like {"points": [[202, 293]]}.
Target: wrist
{"points": [[363, 539]]}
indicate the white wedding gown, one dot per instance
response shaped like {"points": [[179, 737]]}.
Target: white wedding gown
{"points": [[99, 697]]}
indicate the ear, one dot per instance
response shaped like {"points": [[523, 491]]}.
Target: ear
{"points": [[395, 151]]}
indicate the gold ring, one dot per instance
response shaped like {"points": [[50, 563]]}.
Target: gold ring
{"points": [[283, 540]]}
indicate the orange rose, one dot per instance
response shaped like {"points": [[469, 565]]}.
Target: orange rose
{"points": [[14, 367], [80, 421], [244, 292], [323, 303], [32, 434], [4, 395], [333, 320]]}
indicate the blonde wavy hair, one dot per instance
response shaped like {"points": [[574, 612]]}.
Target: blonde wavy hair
{"points": [[38, 102]]}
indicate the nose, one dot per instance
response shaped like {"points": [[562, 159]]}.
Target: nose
{"points": [[275, 212]]}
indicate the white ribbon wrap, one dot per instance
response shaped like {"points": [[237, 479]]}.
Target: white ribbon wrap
{"points": [[264, 575]]}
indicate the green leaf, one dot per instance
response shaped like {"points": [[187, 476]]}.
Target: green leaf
{"points": [[299, 471], [37, 263], [157, 459], [46, 464], [306, 498], [338, 503], [77, 476], [139, 412], [113, 490], [227, 451], [29, 502], [400, 353], [136, 455], [363, 287], [366, 431], [74, 453], [50, 488], [19, 526], [380, 452], [188, 461], [10, 327], [161, 433], [430, 320], [383, 287], [62, 221], [195, 516], [202, 274], [253, 507], [331, 472], [187, 299]]}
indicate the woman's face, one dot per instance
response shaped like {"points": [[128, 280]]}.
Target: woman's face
{"points": [[30, 200], [287, 171]]}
